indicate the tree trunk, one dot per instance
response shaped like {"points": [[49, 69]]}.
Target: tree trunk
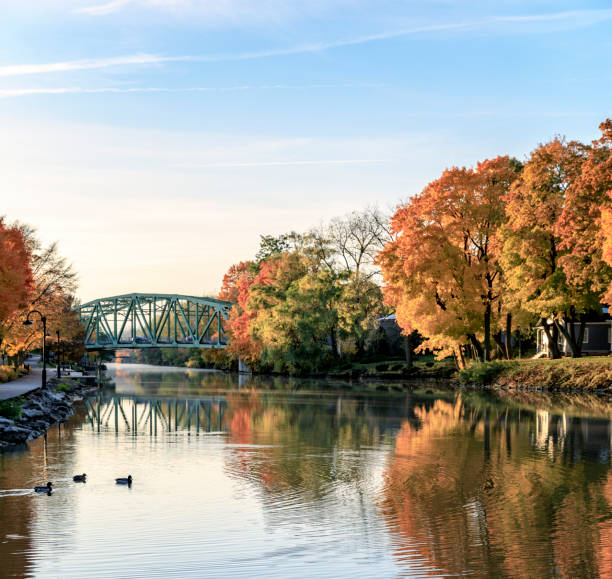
{"points": [[334, 343], [509, 352], [552, 333], [501, 349], [570, 335], [571, 342], [461, 358], [480, 353], [581, 332], [487, 333], [408, 351], [569, 325]]}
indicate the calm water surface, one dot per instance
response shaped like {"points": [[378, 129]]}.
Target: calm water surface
{"points": [[288, 478]]}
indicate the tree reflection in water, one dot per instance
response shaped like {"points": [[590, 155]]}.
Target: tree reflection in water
{"points": [[501, 490]]}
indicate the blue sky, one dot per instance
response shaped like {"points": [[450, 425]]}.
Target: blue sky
{"points": [[155, 139]]}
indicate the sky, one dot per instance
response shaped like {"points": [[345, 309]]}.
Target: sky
{"points": [[155, 140]]}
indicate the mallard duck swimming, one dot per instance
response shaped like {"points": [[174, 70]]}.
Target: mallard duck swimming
{"points": [[124, 481], [80, 478], [44, 489]]}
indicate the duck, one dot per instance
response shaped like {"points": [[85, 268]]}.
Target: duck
{"points": [[124, 481], [44, 489], [489, 484], [80, 478]]}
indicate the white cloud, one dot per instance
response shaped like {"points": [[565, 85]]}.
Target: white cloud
{"points": [[285, 163], [516, 24], [83, 64], [19, 92], [104, 9], [222, 10]]}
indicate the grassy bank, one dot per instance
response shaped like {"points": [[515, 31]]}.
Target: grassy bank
{"points": [[589, 373]]}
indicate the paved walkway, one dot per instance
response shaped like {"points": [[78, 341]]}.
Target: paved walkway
{"points": [[22, 385]]}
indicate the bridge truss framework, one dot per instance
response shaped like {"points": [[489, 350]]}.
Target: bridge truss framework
{"points": [[154, 321]]}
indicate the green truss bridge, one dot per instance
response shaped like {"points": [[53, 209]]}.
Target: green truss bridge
{"points": [[154, 321]]}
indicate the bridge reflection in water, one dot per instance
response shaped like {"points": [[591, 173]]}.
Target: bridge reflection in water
{"points": [[135, 414]]}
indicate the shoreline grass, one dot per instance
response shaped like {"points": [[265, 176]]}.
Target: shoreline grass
{"points": [[587, 374]]}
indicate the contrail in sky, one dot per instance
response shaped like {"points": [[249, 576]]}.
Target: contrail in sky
{"points": [[18, 92], [573, 18]]}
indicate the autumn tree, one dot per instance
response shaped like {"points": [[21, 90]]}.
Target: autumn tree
{"points": [[16, 280], [236, 288], [588, 235], [440, 271], [580, 225], [234, 279], [606, 220], [546, 264], [52, 288]]}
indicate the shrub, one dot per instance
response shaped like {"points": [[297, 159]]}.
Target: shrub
{"points": [[63, 388], [7, 374], [482, 373], [11, 409]]}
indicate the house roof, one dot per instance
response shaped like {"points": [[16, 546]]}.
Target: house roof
{"points": [[389, 317]]}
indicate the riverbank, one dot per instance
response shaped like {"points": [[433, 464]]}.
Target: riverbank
{"points": [[27, 417], [588, 374]]}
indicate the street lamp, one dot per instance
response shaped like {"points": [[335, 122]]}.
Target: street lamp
{"points": [[43, 319], [59, 361]]}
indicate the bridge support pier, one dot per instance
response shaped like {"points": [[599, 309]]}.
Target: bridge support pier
{"points": [[242, 367]]}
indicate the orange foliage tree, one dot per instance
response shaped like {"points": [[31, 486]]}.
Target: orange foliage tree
{"points": [[606, 220], [550, 259], [15, 271], [236, 288], [580, 226], [52, 283], [441, 272], [597, 181]]}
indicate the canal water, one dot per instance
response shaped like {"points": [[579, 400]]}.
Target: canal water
{"points": [[288, 478]]}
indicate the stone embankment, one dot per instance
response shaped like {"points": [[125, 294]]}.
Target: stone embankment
{"points": [[39, 410]]}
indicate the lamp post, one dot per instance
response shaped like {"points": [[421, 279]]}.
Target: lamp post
{"points": [[59, 360], [43, 319]]}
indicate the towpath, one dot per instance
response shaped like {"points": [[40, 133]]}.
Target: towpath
{"points": [[24, 384]]}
